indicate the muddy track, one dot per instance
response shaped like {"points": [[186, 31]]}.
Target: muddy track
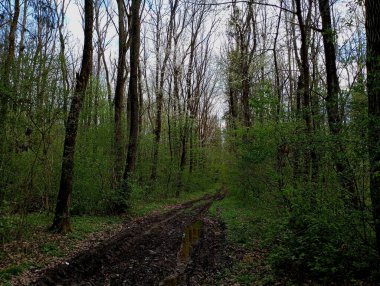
{"points": [[160, 249]]}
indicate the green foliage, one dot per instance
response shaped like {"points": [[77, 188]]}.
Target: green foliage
{"points": [[264, 103], [141, 203], [249, 223], [39, 245], [52, 249], [246, 224], [119, 199], [8, 228], [310, 231], [7, 273], [322, 246], [24, 227], [85, 225], [253, 171]]}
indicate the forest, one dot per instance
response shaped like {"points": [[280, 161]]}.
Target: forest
{"points": [[190, 142]]}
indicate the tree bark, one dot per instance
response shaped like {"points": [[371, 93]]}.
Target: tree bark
{"points": [[303, 89], [119, 99], [232, 96], [134, 101], [281, 146], [246, 59], [5, 90], [61, 222], [344, 171], [373, 88], [160, 89], [186, 128], [62, 51]]}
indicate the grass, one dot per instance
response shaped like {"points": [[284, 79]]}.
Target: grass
{"points": [[30, 244], [7, 273], [51, 249], [141, 206], [85, 225], [246, 221], [248, 228]]}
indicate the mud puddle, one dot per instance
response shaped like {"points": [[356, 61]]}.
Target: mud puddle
{"points": [[190, 238]]}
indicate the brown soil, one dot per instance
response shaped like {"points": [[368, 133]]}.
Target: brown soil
{"points": [[179, 247]]}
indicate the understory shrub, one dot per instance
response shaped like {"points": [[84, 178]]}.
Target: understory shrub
{"points": [[323, 247]]}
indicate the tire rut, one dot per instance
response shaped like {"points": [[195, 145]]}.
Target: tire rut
{"points": [[145, 252]]}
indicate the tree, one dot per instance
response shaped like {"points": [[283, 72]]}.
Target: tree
{"points": [[119, 96], [198, 17], [133, 101], [345, 172], [160, 78], [373, 89], [5, 84], [303, 89], [244, 37], [61, 222]]}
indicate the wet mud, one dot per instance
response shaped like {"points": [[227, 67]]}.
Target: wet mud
{"points": [[180, 247]]}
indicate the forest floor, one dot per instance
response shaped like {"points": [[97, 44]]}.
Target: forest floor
{"points": [[182, 246], [203, 241]]}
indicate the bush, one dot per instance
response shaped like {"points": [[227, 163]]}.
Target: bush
{"points": [[322, 247]]}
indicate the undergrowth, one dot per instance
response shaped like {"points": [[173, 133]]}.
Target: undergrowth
{"points": [[273, 245]]}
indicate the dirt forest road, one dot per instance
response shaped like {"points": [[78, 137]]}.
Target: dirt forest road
{"points": [[180, 247]]}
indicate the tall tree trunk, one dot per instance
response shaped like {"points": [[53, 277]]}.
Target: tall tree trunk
{"points": [[134, 100], [61, 222], [65, 77], [373, 87], [141, 99], [246, 55], [304, 82], [186, 128], [160, 89], [119, 98], [232, 96], [191, 146], [108, 81], [281, 146], [5, 91], [245, 92], [21, 48], [344, 170]]}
